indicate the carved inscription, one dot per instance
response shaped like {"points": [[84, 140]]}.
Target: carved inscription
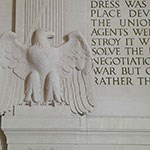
{"points": [[120, 39]]}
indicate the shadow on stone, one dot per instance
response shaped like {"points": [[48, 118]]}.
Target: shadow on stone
{"points": [[3, 145]]}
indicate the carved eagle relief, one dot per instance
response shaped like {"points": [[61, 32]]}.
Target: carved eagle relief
{"points": [[50, 74]]}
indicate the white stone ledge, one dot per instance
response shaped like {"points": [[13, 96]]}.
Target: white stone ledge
{"points": [[119, 124], [79, 147], [58, 126]]}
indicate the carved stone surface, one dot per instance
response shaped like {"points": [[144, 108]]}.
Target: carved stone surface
{"points": [[50, 74], [6, 13], [110, 99], [59, 129], [35, 14], [120, 120]]}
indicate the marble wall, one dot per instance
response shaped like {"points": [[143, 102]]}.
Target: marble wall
{"points": [[7, 19], [6, 15], [124, 118]]}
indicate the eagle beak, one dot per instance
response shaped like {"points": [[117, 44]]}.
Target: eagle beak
{"points": [[50, 34], [51, 37]]}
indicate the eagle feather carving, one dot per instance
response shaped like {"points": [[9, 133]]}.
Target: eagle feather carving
{"points": [[50, 74]]}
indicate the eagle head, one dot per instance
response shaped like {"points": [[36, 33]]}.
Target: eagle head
{"points": [[42, 35]]}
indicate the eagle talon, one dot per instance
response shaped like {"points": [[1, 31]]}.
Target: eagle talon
{"points": [[38, 103], [51, 102], [43, 103], [28, 103]]}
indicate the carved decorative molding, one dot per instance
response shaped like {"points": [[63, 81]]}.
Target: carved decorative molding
{"points": [[74, 132], [47, 14]]}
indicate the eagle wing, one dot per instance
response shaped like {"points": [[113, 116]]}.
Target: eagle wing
{"points": [[14, 69], [75, 70]]}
